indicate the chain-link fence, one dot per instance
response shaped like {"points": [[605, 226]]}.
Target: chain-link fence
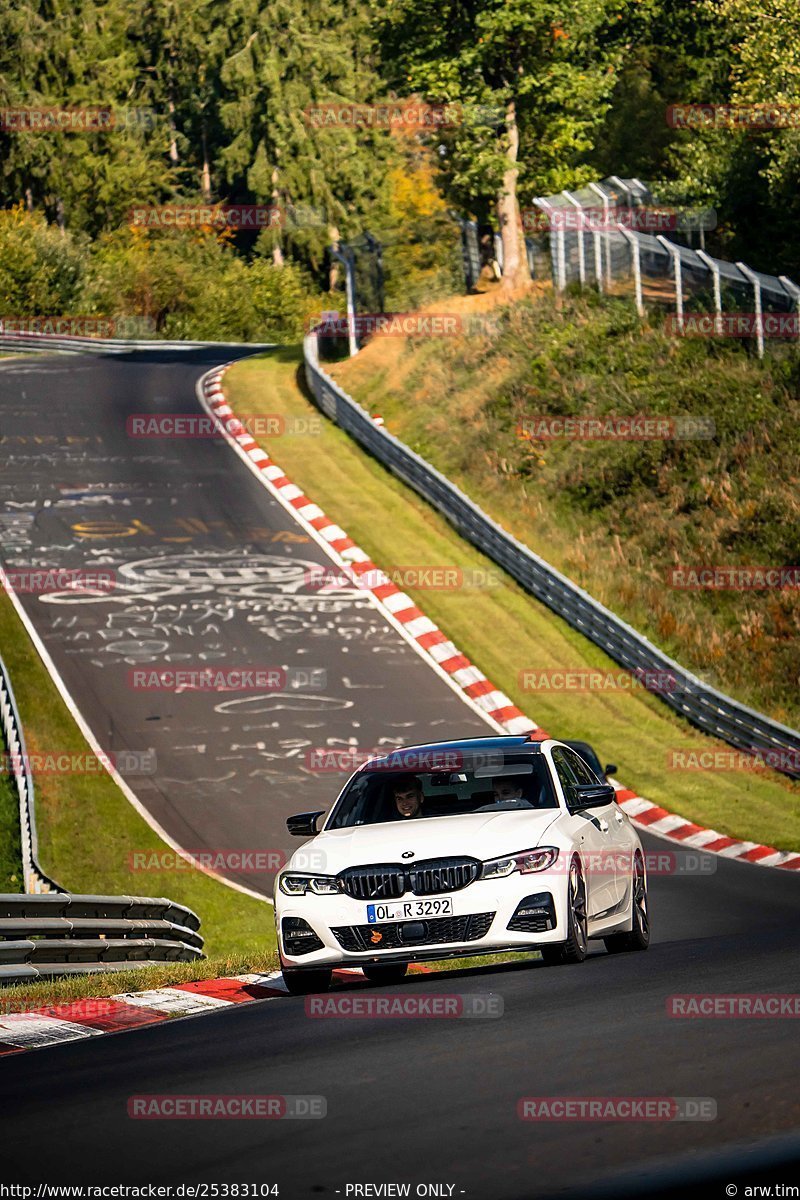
{"points": [[612, 235], [600, 236]]}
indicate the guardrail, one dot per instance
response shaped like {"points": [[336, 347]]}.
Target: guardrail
{"points": [[55, 935], [34, 878], [25, 342], [702, 705]]}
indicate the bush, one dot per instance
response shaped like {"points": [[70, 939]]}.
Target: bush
{"points": [[41, 268]]}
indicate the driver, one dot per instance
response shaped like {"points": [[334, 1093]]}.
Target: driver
{"points": [[408, 797], [505, 790]]}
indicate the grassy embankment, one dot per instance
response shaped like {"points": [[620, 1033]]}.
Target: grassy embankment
{"points": [[502, 628]]}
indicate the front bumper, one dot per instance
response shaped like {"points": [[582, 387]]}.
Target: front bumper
{"points": [[479, 925]]}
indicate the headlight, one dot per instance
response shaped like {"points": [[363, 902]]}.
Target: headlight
{"points": [[297, 885], [525, 862]]}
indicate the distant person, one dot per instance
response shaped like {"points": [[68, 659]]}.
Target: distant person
{"points": [[408, 796]]}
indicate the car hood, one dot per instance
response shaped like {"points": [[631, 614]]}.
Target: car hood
{"points": [[478, 835]]}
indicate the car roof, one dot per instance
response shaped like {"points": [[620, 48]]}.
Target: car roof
{"points": [[502, 743]]}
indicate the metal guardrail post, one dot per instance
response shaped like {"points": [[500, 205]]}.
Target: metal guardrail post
{"points": [[756, 282], [675, 255]]}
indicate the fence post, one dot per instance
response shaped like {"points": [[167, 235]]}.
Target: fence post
{"points": [[345, 257], [376, 248], [714, 269], [675, 255], [756, 282], [794, 291], [581, 260], [556, 246], [470, 251], [595, 187], [633, 242], [598, 260]]}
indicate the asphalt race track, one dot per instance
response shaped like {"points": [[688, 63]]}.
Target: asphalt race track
{"points": [[208, 570], [422, 1101], [435, 1100]]}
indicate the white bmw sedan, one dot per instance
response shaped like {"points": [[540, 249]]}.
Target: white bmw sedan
{"points": [[461, 849]]}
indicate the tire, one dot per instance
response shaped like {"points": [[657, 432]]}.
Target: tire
{"points": [[573, 950], [303, 983], [385, 972], [639, 936]]}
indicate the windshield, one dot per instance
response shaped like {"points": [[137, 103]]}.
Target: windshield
{"points": [[508, 784]]}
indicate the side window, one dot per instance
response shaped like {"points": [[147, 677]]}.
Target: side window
{"points": [[564, 773], [581, 770]]}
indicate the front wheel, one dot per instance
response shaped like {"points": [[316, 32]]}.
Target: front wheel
{"points": [[573, 950], [385, 972], [303, 983], [639, 936]]}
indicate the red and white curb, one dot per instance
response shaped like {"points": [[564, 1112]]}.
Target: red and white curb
{"points": [[441, 653], [92, 1017], [352, 560]]}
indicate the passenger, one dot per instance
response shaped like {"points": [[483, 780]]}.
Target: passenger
{"points": [[505, 790]]}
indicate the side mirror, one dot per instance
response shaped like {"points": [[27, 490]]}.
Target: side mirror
{"points": [[610, 769], [591, 795], [304, 824]]}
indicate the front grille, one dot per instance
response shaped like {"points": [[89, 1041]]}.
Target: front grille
{"points": [[530, 924], [428, 877], [359, 938], [442, 875], [373, 883]]}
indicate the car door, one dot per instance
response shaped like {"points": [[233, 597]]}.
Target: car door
{"points": [[593, 833]]}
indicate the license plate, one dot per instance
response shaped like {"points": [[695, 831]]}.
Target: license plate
{"points": [[409, 910]]}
